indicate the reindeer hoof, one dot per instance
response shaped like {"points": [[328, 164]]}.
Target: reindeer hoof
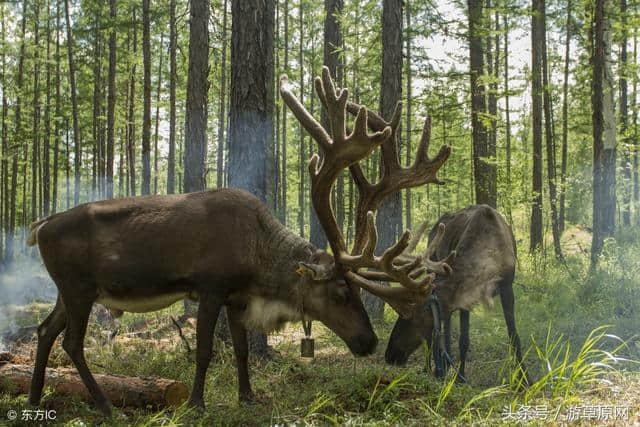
{"points": [[196, 403]]}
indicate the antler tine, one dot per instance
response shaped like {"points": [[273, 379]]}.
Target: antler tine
{"points": [[402, 300], [311, 125], [416, 238], [407, 274], [443, 266], [340, 150]]}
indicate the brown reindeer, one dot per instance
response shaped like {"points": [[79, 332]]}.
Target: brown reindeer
{"points": [[483, 266], [224, 248]]}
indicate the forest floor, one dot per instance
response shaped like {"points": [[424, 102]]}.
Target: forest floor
{"points": [[582, 372]]}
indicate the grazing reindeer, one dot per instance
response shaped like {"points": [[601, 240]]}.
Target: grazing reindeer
{"points": [[224, 248], [485, 259]]}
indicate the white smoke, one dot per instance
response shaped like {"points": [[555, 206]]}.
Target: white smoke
{"points": [[23, 281]]}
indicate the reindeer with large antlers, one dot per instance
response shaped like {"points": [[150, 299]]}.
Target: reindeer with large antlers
{"points": [[340, 151]]}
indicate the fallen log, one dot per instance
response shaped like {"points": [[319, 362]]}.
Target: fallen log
{"points": [[120, 390]]}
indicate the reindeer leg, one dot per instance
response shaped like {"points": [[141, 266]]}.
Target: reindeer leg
{"points": [[508, 303], [463, 343], [447, 334], [208, 311], [48, 331], [241, 350], [78, 311]]}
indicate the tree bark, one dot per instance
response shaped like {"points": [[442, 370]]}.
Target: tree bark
{"points": [[636, 136], [35, 149], [18, 137], [389, 215], [222, 116], [97, 81], [332, 43], [111, 101], [155, 142], [301, 149], [481, 168], [195, 131], [537, 22], [146, 94], [131, 154], [604, 130], [283, 180], [565, 121], [251, 109], [549, 138], [77, 161], [626, 154], [4, 146], [120, 390], [56, 148], [407, 207], [46, 173], [492, 109], [507, 114], [173, 41]]}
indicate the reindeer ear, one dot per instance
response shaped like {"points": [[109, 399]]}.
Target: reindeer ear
{"points": [[314, 271]]}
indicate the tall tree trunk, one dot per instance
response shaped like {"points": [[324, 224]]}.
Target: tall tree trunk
{"points": [[277, 193], [565, 120], [68, 163], [626, 154], [111, 101], [195, 131], [131, 155], [389, 215], [97, 81], [507, 112], [222, 115], [537, 22], [155, 138], [56, 148], [35, 149], [408, 30], [481, 168], [549, 138], [173, 42], [283, 180], [492, 109], [332, 43], [604, 130], [4, 153], [46, 173], [636, 136], [77, 160], [146, 94], [251, 110], [301, 156]]}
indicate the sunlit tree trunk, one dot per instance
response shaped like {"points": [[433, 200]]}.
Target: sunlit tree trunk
{"points": [[626, 155], [251, 109], [146, 95], [549, 138], [111, 105], [565, 120], [155, 138], [77, 152], [223, 102], [537, 22], [173, 40], [604, 129]]}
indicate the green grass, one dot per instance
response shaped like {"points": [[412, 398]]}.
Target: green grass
{"points": [[572, 360]]}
